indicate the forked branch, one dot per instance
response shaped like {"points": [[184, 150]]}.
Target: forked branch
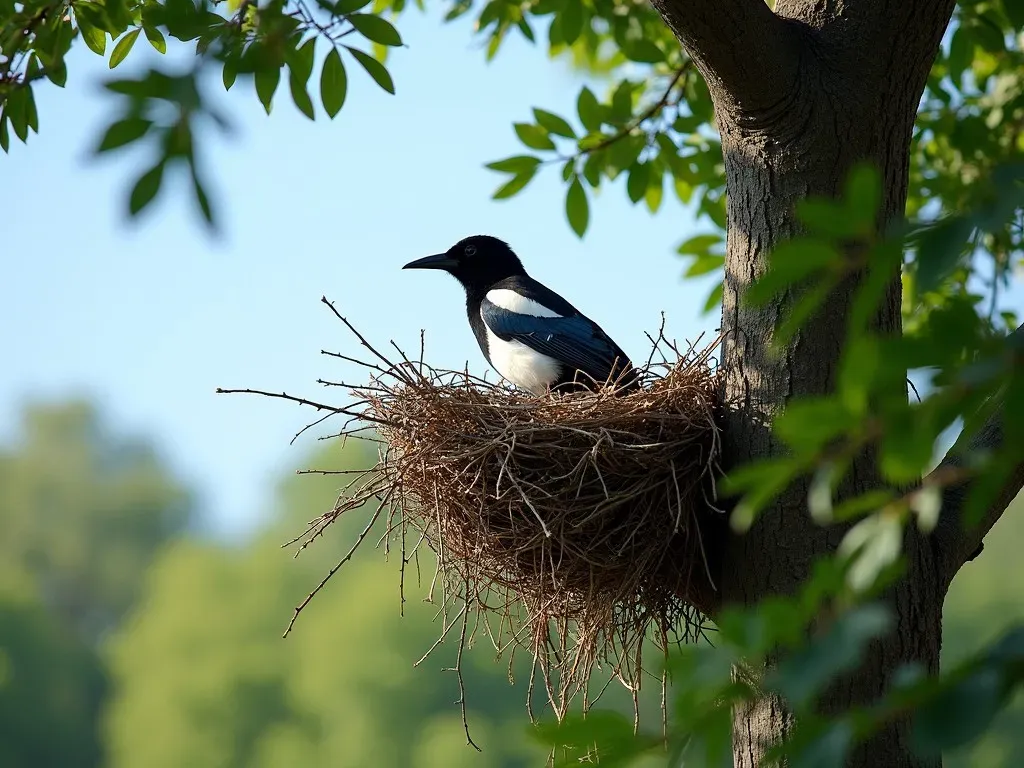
{"points": [[956, 542], [747, 54]]}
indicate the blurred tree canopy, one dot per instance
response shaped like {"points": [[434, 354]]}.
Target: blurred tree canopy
{"points": [[341, 690], [52, 686], [983, 602], [83, 512]]}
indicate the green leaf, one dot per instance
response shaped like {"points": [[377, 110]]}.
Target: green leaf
{"points": [[552, 123], [1014, 10], [698, 245], [266, 80], [683, 190], [791, 262], [517, 164], [571, 20], [622, 103], [863, 195], [31, 114], [872, 545], [515, 184], [827, 748], [592, 171], [333, 83], [961, 50], [939, 250], [612, 734], [809, 423], [146, 188], [343, 7], [828, 218], [300, 96], [533, 136], [300, 61], [625, 150], [374, 69], [644, 51], [985, 489], [229, 74], [156, 39], [714, 298], [123, 46], [960, 713], [988, 34], [16, 110], [58, 73], [802, 675], [761, 481], [577, 210], [802, 310], [636, 182], [858, 506], [375, 28], [123, 132], [590, 110], [526, 29], [655, 192], [5, 134], [705, 264], [202, 199], [95, 38]]}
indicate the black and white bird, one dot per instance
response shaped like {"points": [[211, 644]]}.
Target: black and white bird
{"points": [[532, 336]]}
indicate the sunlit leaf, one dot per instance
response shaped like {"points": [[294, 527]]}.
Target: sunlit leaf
{"points": [[146, 188], [375, 28], [374, 69], [533, 136], [552, 123], [266, 81], [516, 183], [123, 132], [123, 46], [577, 209], [517, 164], [333, 83], [156, 39]]}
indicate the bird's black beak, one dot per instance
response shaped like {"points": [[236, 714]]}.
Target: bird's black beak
{"points": [[437, 261]]}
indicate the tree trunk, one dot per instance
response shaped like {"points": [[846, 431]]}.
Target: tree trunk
{"points": [[828, 88], [808, 150]]}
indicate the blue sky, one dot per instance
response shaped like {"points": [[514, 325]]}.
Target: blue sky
{"points": [[148, 317]]}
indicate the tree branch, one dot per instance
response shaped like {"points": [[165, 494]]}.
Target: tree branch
{"points": [[748, 55], [876, 42], [955, 543]]}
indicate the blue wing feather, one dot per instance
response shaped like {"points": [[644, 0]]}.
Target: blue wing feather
{"points": [[575, 341]]}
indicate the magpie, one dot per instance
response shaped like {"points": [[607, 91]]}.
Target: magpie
{"points": [[532, 336]]}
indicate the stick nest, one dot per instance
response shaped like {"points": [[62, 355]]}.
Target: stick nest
{"points": [[565, 525]]}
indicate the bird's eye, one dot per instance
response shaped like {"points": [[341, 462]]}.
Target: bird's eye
{"points": [[469, 250]]}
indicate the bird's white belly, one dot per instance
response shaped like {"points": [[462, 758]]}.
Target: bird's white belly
{"points": [[521, 365]]}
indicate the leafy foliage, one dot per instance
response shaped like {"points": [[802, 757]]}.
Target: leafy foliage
{"points": [[163, 110]]}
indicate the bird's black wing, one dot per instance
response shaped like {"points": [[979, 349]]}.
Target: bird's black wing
{"points": [[575, 341]]}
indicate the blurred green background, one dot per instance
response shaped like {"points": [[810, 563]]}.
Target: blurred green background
{"points": [[129, 639]]}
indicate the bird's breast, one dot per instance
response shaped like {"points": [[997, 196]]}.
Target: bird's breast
{"points": [[524, 367]]}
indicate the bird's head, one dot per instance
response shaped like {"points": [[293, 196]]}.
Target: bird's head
{"points": [[477, 262]]}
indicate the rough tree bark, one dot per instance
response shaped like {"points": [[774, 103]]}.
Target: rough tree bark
{"points": [[802, 93]]}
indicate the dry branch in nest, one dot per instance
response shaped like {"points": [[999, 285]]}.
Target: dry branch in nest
{"points": [[566, 525]]}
